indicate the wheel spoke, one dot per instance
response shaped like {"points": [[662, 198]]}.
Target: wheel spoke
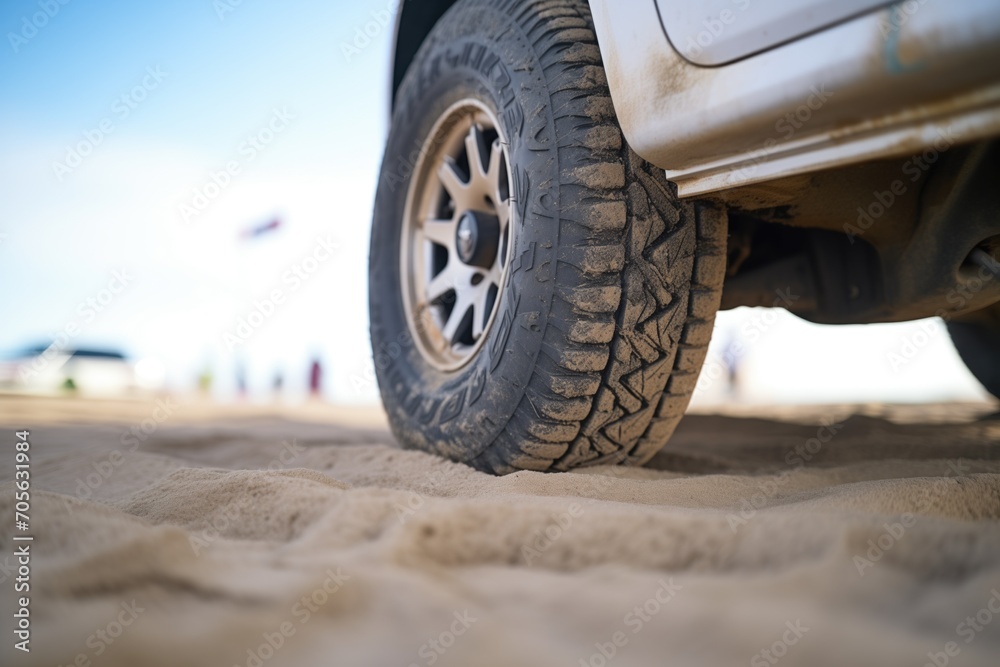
{"points": [[479, 315], [493, 172], [494, 276], [441, 232], [474, 149], [452, 181], [441, 284], [462, 305]]}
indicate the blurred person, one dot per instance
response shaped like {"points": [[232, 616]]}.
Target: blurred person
{"points": [[205, 381], [241, 379], [316, 379]]}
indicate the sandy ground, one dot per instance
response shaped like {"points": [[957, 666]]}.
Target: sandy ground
{"points": [[259, 537]]}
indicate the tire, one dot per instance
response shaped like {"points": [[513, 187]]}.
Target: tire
{"points": [[603, 319], [977, 339]]}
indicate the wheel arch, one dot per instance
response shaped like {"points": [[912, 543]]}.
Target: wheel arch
{"points": [[414, 21]]}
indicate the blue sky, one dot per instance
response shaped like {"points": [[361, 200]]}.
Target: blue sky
{"points": [[223, 72]]}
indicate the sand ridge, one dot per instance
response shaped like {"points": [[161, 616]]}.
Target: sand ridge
{"points": [[273, 540]]}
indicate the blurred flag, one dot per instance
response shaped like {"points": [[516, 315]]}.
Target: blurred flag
{"points": [[261, 230]]}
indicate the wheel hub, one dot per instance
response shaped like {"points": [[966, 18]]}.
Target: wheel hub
{"points": [[457, 235], [478, 239]]}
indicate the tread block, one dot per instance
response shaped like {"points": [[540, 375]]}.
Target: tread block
{"points": [[580, 358], [557, 432], [562, 409], [707, 268], [593, 299], [574, 386], [627, 431], [595, 259], [698, 332], [592, 332], [603, 176], [544, 450], [606, 216], [649, 381]]}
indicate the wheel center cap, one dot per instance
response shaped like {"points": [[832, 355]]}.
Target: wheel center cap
{"points": [[477, 239], [467, 237]]}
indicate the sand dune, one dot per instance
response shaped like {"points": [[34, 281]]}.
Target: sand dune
{"points": [[306, 537]]}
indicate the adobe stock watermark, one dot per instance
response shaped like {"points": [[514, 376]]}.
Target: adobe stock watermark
{"points": [[404, 168], [388, 353], [130, 440], [893, 533], [544, 538], [104, 637], [292, 280], [911, 345], [301, 612], [415, 501], [121, 109], [435, 647], [289, 451], [220, 179], [958, 298], [7, 569], [224, 7], [760, 325], [796, 458], [883, 200], [635, 620], [779, 649], [218, 524], [364, 34], [89, 309], [751, 332], [33, 23], [897, 16], [785, 129], [715, 27], [382, 359], [890, 24], [968, 629]]}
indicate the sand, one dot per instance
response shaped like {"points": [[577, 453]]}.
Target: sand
{"points": [[263, 536]]}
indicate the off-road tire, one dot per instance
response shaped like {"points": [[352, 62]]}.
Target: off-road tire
{"points": [[605, 318]]}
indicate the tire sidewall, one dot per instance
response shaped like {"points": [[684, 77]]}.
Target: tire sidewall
{"points": [[459, 414]]}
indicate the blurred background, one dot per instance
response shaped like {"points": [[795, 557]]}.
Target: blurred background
{"points": [[186, 199]]}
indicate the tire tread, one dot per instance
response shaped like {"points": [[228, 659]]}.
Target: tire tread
{"points": [[638, 280]]}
